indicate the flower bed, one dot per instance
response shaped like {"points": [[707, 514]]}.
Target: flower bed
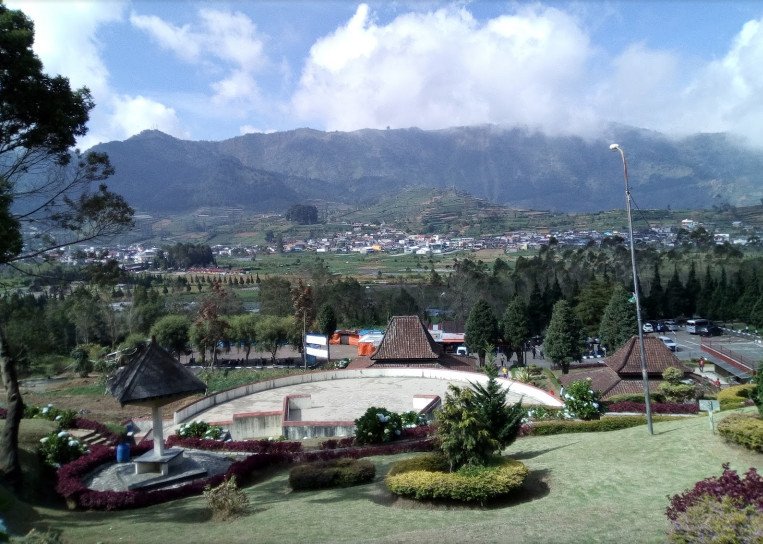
{"points": [[657, 407], [270, 453]]}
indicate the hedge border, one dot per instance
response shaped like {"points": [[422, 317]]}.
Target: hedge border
{"points": [[70, 476], [743, 429]]}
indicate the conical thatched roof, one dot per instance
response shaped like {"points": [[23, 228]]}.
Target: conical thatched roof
{"points": [[153, 377], [406, 339], [627, 360]]}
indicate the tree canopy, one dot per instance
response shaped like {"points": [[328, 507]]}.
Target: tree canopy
{"points": [[564, 339], [481, 329]]}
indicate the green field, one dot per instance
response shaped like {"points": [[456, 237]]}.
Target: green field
{"points": [[596, 487]]}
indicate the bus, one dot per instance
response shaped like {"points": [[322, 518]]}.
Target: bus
{"points": [[695, 326]]}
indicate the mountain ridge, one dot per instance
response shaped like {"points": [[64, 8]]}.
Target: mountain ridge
{"points": [[513, 167]]}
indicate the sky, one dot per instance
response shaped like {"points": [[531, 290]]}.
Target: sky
{"points": [[218, 69]]}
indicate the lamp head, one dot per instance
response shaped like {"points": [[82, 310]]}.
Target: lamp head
{"points": [[614, 147]]}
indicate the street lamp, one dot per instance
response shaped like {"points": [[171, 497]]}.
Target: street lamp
{"points": [[644, 374]]}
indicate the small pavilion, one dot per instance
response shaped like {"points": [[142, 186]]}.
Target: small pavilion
{"points": [[153, 378]]}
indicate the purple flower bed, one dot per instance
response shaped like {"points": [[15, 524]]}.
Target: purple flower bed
{"points": [[247, 446], [70, 476], [745, 491], [657, 407]]}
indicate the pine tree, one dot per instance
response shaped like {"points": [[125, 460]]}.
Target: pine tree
{"points": [[618, 323], [564, 338], [515, 328], [481, 329]]}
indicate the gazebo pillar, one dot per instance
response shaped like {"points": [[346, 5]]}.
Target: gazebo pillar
{"points": [[156, 415]]}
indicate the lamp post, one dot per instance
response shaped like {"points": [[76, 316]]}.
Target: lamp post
{"points": [[644, 374]]}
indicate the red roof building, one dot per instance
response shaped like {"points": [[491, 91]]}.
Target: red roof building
{"points": [[620, 373]]}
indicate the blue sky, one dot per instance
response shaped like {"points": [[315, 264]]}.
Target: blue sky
{"points": [[215, 70]]}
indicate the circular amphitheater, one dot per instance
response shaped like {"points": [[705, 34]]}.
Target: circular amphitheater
{"points": [[327, 403]]}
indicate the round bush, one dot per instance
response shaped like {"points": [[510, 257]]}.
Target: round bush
{"points": [[742, 429], [468, 484], [735, 396], [333, 473]]}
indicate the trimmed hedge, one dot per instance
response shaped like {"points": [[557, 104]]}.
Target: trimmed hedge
{"points": [[334, 473], [247, 446], [70, 477], [742, 429], [657, 407], [432, 462], [614, 423], [468, 484], [736, 396]]}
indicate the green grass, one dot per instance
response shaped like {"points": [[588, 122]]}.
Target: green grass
{"points": [[95, 389], [597, 487], [220, 380]]}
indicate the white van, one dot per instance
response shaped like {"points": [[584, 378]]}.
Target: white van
{"points": [[695, 326], [461, 350]]}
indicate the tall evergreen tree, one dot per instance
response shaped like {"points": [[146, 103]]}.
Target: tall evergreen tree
{"points": [[674, 295], [564, 337], [618, 323], [704, 298], [749, 297], [691, 291], [515, 328], [654, 302], [535, 310], [481, 329]]}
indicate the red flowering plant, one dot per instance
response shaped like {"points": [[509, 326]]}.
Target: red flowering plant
{"points": [[743, 491]]}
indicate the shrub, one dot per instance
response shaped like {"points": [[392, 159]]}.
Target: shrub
{"points": [[378, 425], [468, 484], [747, 490], [200, 429], [717, 521], [333, 473], [60, 448], [757, 393], [465, 436], [541, 413], [636, 397], [226, 500], [613, 423], [735, 396], [745, 430], [64, 418], [429, 462], [334, 443], [678, 392], [582, 402]]}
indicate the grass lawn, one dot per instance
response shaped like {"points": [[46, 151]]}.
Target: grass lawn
{"points": [[594, 487]]}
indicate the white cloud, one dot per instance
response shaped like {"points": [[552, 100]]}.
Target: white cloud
{"points": [[179, 40], [249, 129], [220, 41], [74, 24], [444, 68], [725, 95]]}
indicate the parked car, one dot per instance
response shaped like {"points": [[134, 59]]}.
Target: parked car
{"points": [[669, 343], [647, 327], [710, 330], [671, 325]]}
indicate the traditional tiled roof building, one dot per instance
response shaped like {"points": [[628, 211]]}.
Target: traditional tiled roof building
{"points": [[621, 372], [407, 343]]}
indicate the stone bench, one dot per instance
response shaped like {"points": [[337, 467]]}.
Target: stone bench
{"points": [[151, 462]]}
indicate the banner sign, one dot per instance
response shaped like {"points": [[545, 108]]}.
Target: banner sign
{"points": [[318, 352], [317, 339]]}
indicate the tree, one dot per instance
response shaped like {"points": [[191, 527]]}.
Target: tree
{"points": [[243, 329], [40, 120], [502, 421], [326, 323], [304, 214], [172, 333], [464, 435], [273, 332], [618, 323], [564, 340], [481, 329], [275, 297], [515, 328]]}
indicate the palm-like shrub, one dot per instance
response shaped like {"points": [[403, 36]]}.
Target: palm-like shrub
{"points": [[226, 500], [503, 421], [465, 436]]}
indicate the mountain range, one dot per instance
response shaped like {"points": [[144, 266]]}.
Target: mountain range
{"points": [[513, 167]]}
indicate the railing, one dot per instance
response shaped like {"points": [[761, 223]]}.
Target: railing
{"points": [[738, 360]]}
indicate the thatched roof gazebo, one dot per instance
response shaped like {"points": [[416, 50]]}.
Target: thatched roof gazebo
{"points": [[152, 377]]}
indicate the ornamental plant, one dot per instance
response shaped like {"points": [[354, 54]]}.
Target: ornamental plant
{"points": [[582, 402], [64, 418], [378, 425], [226, 500], [201, 429], [742, 491], [60, 448]]}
